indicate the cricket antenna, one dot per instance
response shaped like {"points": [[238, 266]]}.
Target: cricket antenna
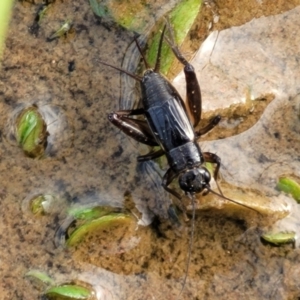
{"points": [[231, 200], [192, 197], [158, 57], [142, 54], [136, 77]]}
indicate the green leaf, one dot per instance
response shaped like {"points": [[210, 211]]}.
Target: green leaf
{"points": [[98, 224], [65, 28], [289, 186], [40, 276], [28, 122], [31, 132], [68, 291], [89, 213], [137, 15], [279, 237], [181, 19]]}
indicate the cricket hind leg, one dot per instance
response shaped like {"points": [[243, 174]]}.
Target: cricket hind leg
{"points": [[193, 90], [192, 86], [134, 128], [167, 179]]}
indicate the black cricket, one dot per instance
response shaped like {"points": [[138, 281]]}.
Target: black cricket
{"points": [[167, 124]]}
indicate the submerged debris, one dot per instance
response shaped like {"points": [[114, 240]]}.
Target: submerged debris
{"points": [[41, 12], [64, 30]]}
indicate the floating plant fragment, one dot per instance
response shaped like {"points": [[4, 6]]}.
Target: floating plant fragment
{"points": [[69, 292], [42, 12], [40, 277], [31, 132], [66, 291], [79, 216], [289, 186], [104, 222], [284, 231], [62, 31], [89, 213], [40, 204], [40, 130], [274, 213], [279, 238]]}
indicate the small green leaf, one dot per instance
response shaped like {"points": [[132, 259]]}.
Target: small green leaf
{"points": [[40, 276], [27, 124], [37, 205], [40, 204], [90, 213], [31, 132], [289, 186], [279, 237], [68, 291], [64, 29], [42, 12], [106, 221]]}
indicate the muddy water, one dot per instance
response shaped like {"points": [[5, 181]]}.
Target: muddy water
{"points": [[91, 162]]}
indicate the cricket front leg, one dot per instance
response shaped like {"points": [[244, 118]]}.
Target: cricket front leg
{"points": [[151, 155], [167, 179], [214, 159]]}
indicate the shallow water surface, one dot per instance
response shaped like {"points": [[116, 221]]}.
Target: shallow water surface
{"points": [[91, 163]]}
